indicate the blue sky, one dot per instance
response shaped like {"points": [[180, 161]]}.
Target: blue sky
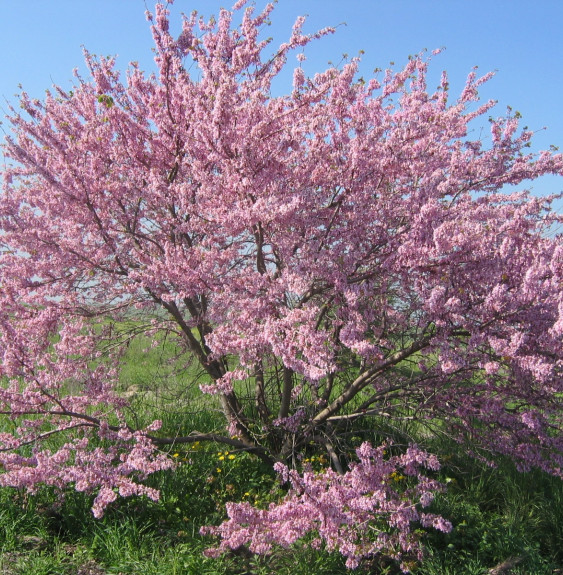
{"points": [[40, 44]]}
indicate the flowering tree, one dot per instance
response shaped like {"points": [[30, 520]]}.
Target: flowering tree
{"points": [[344, 251]]}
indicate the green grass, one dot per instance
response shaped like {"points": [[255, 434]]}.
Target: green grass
{"points": [[498, 515]]}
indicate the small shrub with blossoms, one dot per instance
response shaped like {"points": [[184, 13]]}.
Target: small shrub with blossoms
{"points": [[360, 513]]}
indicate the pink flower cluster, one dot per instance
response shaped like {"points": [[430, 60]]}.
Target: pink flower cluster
{"points": [[370, 509]]}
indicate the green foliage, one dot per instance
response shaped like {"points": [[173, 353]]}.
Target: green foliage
{"points": [[106, 100], [500, 517]]}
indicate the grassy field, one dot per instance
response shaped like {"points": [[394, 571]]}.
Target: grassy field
{"points": [[504, 521], [500, 516]]}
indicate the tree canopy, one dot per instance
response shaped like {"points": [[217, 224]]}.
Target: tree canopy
{"points": [[349, 250]]}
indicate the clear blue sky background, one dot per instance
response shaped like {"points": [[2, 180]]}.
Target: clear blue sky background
{"points": [[40, 44]]}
